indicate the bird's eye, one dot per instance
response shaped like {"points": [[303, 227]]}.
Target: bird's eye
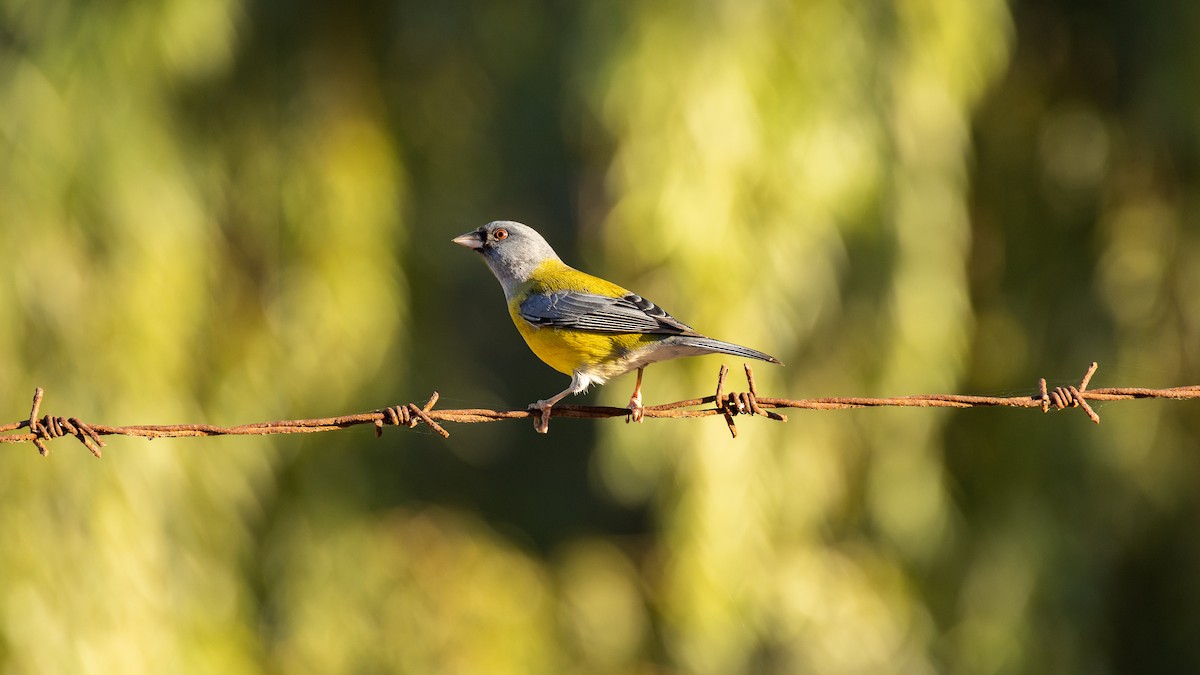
{"points": [[500, 234]]}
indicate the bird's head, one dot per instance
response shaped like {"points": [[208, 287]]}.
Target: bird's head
{"points": [[511, 250]]}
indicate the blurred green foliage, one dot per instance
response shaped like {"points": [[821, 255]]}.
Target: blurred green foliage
{"points": [[224, 211]]}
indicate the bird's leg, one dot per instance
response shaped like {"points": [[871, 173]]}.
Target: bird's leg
{"points": [[636, 410], [542, 424]]}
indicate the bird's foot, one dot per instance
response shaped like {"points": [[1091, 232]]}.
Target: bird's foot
{"points": [[636, 410], [541, 423]]}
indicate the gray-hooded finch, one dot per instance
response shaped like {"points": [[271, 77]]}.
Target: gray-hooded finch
{"points": [[581, 325]]}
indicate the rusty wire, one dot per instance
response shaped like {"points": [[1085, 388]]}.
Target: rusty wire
{"points": [[727, 404]]}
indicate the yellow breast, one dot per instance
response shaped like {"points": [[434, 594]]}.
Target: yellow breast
{"points": [[567, 350]]}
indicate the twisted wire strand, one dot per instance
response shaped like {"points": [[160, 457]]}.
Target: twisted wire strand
{"points": [[727, 404]]}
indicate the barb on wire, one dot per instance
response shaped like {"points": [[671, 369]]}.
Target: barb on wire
{"points": [[744, 403], [410, 415], [727, 404], [49, 428], [1070, 397]]}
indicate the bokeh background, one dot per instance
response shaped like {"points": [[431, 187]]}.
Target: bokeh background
{"points": [[240, 210]]}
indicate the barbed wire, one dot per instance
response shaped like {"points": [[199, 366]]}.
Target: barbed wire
{"points": [[728, 404]]}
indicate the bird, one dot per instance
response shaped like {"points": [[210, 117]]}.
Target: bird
{"points": [[582, 325]]}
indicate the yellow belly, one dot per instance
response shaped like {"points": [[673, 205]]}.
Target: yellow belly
{"points": [[568, 351]]}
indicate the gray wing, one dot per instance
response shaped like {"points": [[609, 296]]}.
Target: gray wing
{"points": [[600, 314]]}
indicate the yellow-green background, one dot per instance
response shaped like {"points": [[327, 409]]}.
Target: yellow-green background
{"points": [[225, 211]]}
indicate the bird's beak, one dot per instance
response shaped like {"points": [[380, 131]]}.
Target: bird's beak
{"points": [[472, 240]]}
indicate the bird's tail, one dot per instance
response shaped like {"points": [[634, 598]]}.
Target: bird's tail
{"points": [[709, 344]]}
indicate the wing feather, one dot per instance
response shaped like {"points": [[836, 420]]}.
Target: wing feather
{"points": [[630, 313]]}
